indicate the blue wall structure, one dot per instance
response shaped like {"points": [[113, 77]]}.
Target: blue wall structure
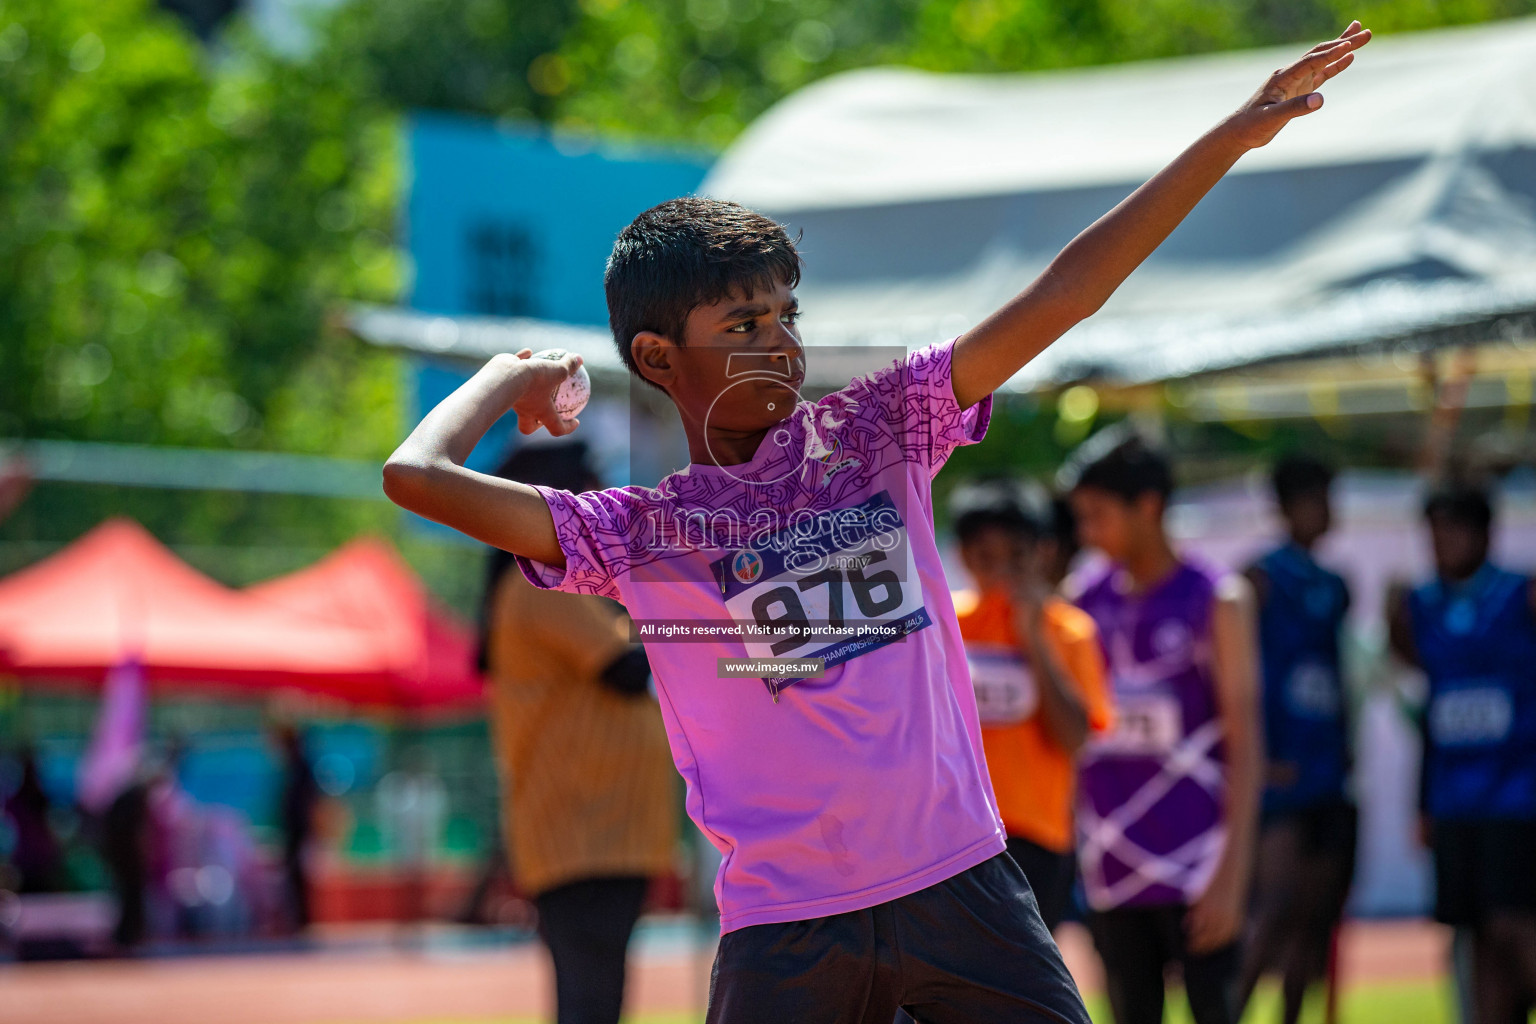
{"points": [[509, 222]]}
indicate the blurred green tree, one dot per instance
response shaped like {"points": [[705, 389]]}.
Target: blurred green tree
{"points": [[178, 225], [699, 71]]}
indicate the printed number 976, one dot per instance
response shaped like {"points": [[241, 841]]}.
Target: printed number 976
{"points": [[875, 594]]}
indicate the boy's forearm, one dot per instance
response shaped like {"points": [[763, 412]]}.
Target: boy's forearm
{"points": [[453, 428], [1098, 261], [1234, 638], [1244, 790], [1086, 273], [1066, 719]]}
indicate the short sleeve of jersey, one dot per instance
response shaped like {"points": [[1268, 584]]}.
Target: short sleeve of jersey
{"points": [[599, 533], [916, 397]]}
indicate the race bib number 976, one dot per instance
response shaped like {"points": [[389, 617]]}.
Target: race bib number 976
{"points": [[832, 586]]}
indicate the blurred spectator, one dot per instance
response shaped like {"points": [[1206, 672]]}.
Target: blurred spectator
{"points": [[1306, 848], [296, 817], [170, 814], [586, 774], [113, 784], [1472, 629], [37, 855], [1038, 673], [125, 843], [1169, 798]]}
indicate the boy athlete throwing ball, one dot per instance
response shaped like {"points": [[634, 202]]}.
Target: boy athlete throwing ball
{"points": [[862, 859]]}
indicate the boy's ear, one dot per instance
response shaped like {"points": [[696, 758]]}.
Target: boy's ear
{"points": [[656, 357]]}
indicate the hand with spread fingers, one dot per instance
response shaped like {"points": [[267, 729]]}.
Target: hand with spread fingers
{"points": [[535, 402], [1291, 92]]}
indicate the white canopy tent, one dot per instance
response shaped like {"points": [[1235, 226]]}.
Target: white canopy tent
{"points": [[1404, 210]]}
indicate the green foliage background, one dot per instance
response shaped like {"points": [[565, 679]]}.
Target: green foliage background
{"points": [[701, 70], [178, 223]]}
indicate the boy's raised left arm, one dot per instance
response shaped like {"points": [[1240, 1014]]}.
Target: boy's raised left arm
{"points": [[1086, 273]]}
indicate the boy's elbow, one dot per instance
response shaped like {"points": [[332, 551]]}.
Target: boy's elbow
{"points": [[1081, 309], [1077, 303], [1069, 303], [404, 480]]}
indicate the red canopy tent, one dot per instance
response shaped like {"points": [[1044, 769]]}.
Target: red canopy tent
{"points": [[118, 594], [366, 586]]}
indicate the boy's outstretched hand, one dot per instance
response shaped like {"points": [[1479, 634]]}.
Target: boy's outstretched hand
{"points": [[1086, 273], [1291, 91]]}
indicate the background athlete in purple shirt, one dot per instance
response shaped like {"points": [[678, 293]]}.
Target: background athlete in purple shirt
{"points": [[793, 514], [1168, 801]]}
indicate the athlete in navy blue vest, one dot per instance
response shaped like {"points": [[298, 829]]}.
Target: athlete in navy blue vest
{"points": [[1472, 629], [1306, 849]]}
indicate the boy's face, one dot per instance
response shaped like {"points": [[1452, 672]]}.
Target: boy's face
{"points": [[996, 557], [1308, 515], [741, 365], [1112, 524], [1460, 548]]}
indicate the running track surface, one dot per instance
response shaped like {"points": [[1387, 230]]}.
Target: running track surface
{"points": [[380, 984]]}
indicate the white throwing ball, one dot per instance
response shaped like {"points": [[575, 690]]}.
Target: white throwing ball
{"points": [[572, 395]]}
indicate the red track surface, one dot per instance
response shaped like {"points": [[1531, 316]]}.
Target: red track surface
{"points": [[381, 985]]}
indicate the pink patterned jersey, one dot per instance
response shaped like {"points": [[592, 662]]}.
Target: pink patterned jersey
{"points": [[824, 793]]}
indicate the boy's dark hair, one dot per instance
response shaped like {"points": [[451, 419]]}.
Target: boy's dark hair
{"points": [[996, 504], [1120, 462], [1460, 502], [1298, 476], [685, 253]]}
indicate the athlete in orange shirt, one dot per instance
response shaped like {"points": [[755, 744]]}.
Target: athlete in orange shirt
{"points": [[1039, 676]]}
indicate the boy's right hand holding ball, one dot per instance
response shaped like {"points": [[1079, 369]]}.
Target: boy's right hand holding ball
{"points": [[536, 381]]}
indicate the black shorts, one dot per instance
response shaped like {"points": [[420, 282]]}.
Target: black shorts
{"points": [[1324, 830], [1051, 876], [1137, 944], [969, 949], [1322, 850], [1483, 866]]}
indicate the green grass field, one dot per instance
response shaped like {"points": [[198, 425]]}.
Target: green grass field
{"points": [[1418, 1003]]}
